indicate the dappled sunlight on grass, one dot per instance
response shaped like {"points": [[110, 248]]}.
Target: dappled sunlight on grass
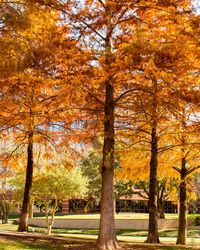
{"points": [[9, 227], [21, 244], [85, 238]]}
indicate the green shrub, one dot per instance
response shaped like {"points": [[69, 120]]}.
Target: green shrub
{"points": [[197, 221]]}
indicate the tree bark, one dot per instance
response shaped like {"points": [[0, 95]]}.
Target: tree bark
{"points": [[160, 197], [4, 207], [4, 204], [153, 210], [23, 224], [161, 212], [182, 227], [107, 236], [153, 182], [52, 219], [30, 210]]}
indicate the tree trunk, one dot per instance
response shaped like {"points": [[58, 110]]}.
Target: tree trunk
{"points": [[50, 225], [160, 197], [46, 206], [153, 210], [23, 224], [4, 204], [7, 211], [107, 236], [4, 211], [30, 210], [182, 226], [4, 207], [161, 209]]}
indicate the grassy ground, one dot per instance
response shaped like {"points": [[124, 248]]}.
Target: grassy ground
{"points": [[166, 236], [120, 232], [13, 243], [16, 243], [77, 239]]}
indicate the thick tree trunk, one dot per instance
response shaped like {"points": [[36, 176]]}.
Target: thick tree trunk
{"points": [[182, 227], [107, 236], [153, 210], [23, 224]]}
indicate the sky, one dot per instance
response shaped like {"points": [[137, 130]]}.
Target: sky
{"points": [[197, 5]]}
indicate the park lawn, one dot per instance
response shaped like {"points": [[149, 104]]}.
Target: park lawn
{"points": [[193, 233], [20, 243], [120, 232], [16, 243], [8, 244], [77, 239]]}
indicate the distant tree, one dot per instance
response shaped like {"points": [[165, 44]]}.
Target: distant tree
{"points": [[166, 189], [51, 187], [58, 185], [91, 167]]}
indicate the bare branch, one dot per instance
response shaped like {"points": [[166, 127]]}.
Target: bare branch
{"points": [[177, 169], [192, 169]]}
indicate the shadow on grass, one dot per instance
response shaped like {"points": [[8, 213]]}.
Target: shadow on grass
{"points": [[12, 242]]}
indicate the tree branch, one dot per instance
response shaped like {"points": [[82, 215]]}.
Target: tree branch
{"points": [[192, 169], [137, 87], [177, 169]]}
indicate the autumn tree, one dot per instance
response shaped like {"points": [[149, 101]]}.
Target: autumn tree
{"points": [[107, 26], [26, 100], [127, 49], [53, 184], [188, 155], [158, 73], [166, 187], [91, 168]]}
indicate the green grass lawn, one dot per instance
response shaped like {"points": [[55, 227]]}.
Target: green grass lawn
{"points": [[128, 236], [17, 243], [7, 243], [120, 232], [77, 239]]}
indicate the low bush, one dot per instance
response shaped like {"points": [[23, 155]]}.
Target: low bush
{"points": [[197, 220]]}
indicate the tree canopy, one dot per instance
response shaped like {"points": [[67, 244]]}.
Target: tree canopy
{"points": [[124, 71]]}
